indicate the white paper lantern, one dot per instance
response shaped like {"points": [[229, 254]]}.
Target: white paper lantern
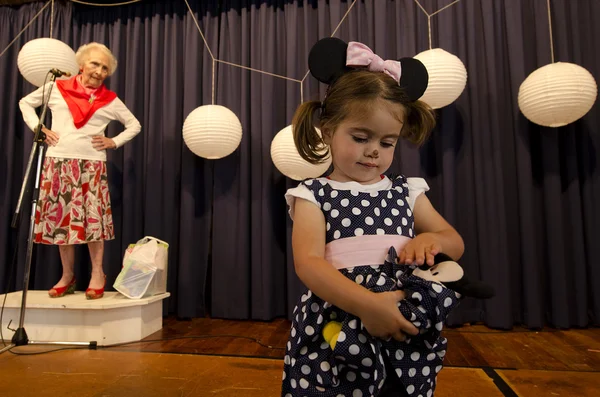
{"points": [[288, 161], [557, 94], [212, 131], [447, 77], [38, 56]]}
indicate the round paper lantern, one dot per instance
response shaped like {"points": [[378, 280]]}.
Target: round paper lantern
{"points": [[38, 56], [288, 161], [212, 131], [557, 94], [447, 77]]}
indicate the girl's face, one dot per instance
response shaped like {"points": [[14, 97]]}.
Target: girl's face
{"points": [[363, 149], [95, 69]]}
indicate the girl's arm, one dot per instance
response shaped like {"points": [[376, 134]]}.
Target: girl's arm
{"points": [[434, 235], [378, 312]]}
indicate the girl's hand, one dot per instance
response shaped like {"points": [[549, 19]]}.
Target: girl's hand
{"points": [[51, 136], [100, 142], [382, 318], [421, 249]]}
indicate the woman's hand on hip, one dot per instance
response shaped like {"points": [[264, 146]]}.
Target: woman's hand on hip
{"points": [[101, 143], [51, 136]]}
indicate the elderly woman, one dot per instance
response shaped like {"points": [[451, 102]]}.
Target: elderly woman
{"points": [[74, 203]]}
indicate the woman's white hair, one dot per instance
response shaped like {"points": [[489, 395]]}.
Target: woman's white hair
{"points": [[82, 54]]}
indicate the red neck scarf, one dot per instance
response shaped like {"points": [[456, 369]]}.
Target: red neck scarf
{"points": [[82, 102]]}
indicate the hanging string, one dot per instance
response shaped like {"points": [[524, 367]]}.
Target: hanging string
{"points": [[430, 15], [550, 28], [24, 29], [51, 18]]}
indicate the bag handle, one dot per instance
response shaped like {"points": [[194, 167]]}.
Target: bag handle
{"points": [[154, 238]]}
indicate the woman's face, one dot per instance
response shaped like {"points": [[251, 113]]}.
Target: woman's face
{"points": [[95, 69]]}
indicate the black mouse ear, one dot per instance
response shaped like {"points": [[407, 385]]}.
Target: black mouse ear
{"points": [[414, 78], [327, 59]]}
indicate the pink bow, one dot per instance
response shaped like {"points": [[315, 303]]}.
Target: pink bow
{"points": [[359, 54]]}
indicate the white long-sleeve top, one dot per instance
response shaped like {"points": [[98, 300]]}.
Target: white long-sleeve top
{"points": [[73, 142]]}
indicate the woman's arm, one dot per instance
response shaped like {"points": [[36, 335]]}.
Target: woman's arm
{"points": [[132, 125], [29, 103]]}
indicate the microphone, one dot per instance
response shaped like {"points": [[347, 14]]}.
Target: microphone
{"points": [[59, 73]]}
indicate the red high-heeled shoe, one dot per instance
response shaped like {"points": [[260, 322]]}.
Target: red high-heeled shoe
{"points": [[57, 292], [95, 293]]}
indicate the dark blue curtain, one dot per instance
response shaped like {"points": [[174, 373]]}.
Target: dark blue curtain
{"points": [[524, 197]]}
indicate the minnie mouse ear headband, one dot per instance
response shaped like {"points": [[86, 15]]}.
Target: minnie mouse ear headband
{"points": [[331, 57]]}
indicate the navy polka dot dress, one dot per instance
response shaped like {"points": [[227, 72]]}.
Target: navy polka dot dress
{"points": [[357, 366]]}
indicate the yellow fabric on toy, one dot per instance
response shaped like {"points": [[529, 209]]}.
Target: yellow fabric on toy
{"points": [[331, 331]]}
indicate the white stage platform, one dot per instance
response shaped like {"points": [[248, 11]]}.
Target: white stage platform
{"points": [[72, 318]]}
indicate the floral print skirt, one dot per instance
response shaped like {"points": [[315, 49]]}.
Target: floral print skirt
{"points": [[74, 202]]}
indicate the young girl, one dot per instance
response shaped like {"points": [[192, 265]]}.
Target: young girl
{"points": [[358, 234]]}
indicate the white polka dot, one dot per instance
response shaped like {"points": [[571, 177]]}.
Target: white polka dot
{"points": [[315, 307], [447, 302], [309, 330], [293, 333], [426, 371], [441, 353], [359, 232], [439, 326], [388, 221], [399, 372], [341, 337], [367, 362], [336, 234], [383, 203], [410, 389], [365, 203], [356, 211], [357, 393], [417, 296], [359, 279], [305, 369], [328, 226], [365, 375], [344, 202], [395, 212], [304, 350], [410, 232], [320, 319], [389, 195], [436, 287], [354, 192], [399, 354], [415, 356], [362, 338], [312, 356], [429, 392], [369, 221], [398, 230], [381, 281], [408, 212], [399, 189], [400, 202], [412, 372], [321, 192], [303, 383], [308, 183], [335, 213], [380, 232], [404, 222], [325, 366], [375, 375], [346, 222], [374, 194], [422, 309], [431, 356], [293, 383], [354, 349], [438, 369], [286, 359], [334, 193], [283, 377], [319, 379], [327, 206], [377, 212]]}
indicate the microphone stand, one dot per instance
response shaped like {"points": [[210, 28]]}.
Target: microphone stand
{"points": [[20, 337]]}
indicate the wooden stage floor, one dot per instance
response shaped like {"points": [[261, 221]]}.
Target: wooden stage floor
{"points": [[211, 357]]}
